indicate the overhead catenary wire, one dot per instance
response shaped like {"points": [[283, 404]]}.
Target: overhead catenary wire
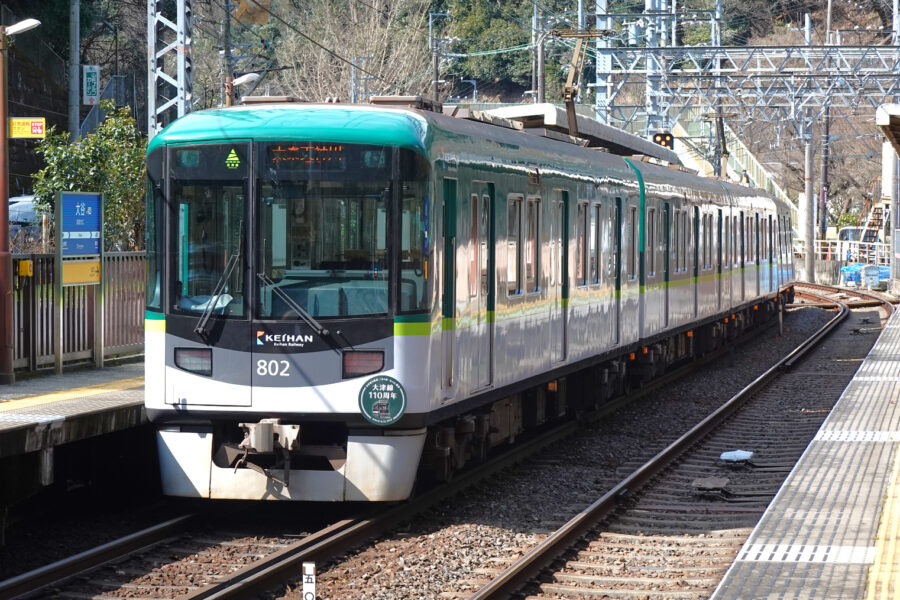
{"points": [[328, 50]]}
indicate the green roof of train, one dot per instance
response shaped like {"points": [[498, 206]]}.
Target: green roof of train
{"points": [[345, 124]]}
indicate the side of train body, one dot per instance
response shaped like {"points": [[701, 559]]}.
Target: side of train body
{"points": [[342, 295]]}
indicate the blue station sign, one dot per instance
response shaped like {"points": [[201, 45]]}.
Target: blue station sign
{"points": [[81, 223]]}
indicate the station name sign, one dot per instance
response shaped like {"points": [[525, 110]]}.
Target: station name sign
{"points": [[79, 218]]}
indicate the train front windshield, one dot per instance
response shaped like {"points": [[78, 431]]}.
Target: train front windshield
{"points": [[339, 230]]}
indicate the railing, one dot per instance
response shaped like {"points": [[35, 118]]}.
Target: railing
{"points": [[846, 252], [34, 312]]}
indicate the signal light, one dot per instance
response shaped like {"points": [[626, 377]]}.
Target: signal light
{"points": [[665, 139]]}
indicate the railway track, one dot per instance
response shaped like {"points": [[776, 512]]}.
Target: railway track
{"points": [[202, 566], [672, 527]]}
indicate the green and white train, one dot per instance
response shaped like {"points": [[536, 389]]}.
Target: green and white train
{"points": [[341, 297]]}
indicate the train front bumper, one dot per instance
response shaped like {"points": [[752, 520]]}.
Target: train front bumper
{"points": [[378, 468]]}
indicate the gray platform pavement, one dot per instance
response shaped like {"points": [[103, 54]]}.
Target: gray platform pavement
{"points": [[41, 412], [823, 534]]}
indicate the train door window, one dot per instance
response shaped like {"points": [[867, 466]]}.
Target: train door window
{"points": [[532, 244], [513, 235], [737, 236], [484, 234], [711, 242], [581, 257], [748, 240], [651, 241], [475, 249], [685, 239], [676, 246], [632, 242], [613, 240], [726, 243], [703, 242], [594, 259]]}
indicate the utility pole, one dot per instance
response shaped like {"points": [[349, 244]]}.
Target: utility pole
{"points": [[227, 59], [651, 90], [810, 225], [436, 52], [826, 139], [434, 46], [74, 68], [535, 53], [823, 206], [603, 65]]}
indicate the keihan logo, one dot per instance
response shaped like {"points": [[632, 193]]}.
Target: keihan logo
{"points": [[285, 340]]}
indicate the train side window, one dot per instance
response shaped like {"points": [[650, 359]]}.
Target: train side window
{"points": [[532, 244], [581, 253], [513, 234], [595, 244], [651, 241]]}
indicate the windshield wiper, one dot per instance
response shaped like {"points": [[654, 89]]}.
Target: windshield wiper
{"points": [[317, 327], [233, 260]]}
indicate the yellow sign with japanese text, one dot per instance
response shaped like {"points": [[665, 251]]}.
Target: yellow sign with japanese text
{"points": [[27, 127], [80, 272]]}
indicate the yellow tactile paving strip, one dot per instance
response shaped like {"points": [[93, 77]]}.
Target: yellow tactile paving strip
{"points": [[885, 572], [72, 394]]}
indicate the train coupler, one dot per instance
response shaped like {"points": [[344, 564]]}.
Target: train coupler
{"points": [[269, 436]]}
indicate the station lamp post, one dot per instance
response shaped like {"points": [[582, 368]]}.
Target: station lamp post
{"points": [[7, 335], [474, 89]]}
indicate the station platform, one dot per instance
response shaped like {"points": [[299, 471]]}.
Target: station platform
{"points": [[41, 412], [833, 530]]}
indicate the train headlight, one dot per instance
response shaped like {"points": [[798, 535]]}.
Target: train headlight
{"points": [[362, 362], [194, 360]]}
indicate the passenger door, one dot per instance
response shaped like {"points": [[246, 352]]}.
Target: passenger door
{"points": [[448, 304], [483, 245], [667, 225]]}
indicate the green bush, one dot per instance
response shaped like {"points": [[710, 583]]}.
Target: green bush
{"points": [[109, 161]]}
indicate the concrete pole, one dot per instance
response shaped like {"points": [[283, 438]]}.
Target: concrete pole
{"points": [[541, 95], [604, 66], [896, 22], [651, 91], [227, 59], [674, 40], [74, 68], [7, 348], [810, 224]]}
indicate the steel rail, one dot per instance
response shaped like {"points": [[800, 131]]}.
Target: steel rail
{"points": [[285, 564], [33, 582], [527, 567], [887, 303], [276, 568], [339, 536]]}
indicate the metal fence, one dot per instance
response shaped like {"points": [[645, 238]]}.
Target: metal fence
{"points": [[852, 252], [35, 313]]}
